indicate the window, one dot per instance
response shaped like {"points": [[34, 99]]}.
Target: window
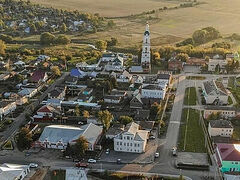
{"points": [[130, 144], [138, 145], [127, 137], [117, 143], [127, 144], [124, 144], [120, 143]]}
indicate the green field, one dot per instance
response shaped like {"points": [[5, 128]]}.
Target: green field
{"points": [[167, 27], [190, 97], [194, 135]]}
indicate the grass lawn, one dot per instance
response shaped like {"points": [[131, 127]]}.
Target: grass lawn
{"points": [[190, 97], [58, 175], [194, 136]]}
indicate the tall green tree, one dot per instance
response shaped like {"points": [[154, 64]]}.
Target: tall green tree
{"points": [[24, 139], [47, 38], [101, 45], [79, 149], [125, 119], [63, 28], [105, 117]]}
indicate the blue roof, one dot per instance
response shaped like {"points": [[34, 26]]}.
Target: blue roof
{"points": [[76, 73]]}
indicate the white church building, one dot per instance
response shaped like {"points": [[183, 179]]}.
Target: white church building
{"points": [[146, 52]]}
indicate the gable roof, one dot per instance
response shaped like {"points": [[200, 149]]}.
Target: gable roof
{"points": [[214, 87], [77, 73], [220, 124], [229, 152], [67, 134], [37, 76], [48, 109]]}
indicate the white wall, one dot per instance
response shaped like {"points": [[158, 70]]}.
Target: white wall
{"points": [[223, 132]]}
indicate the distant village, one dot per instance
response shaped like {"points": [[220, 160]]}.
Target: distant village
{"points": [[114, 107]]}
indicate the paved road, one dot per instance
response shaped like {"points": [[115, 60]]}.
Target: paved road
{"points": [[18, 121]]}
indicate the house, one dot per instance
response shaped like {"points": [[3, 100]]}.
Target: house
{"points": [[7, 107], [136, 102], [13, 171], [71, 80], [196, 62], [164, 78], [153, 91], [58, 136], [146, 125], [114, 130], [4, 77], [225, 112], [86, 95], [213, 63], [136, 69], [39, 76], [77, 73], [58, 93], [46, 113], [115, 97], [228, 157], [28, 92], [142, 115], [222, 128], [107, 57], [215, 93], [175, 65], [124, 77], [132, 139], [115, 64], [42, 58]]}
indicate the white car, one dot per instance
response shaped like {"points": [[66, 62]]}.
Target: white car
{"points": [[156, 155], [92, 161], [33, 165], [152, 137]]}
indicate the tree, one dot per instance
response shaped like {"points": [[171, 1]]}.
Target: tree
{"points": [[112, 42], [105, 117], [156, 58], [63, 28], [77, 111], [79, 149], [62, 39], [86, 114], [125, 119], [47, 38], [217, 68], [182, 57], [111, 24], [24, 139], [155, 109], [33, 28], [2, 47], [101, 45], [56, 71]]}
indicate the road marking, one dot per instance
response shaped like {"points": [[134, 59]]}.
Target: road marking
{"points": [[175, 122]]}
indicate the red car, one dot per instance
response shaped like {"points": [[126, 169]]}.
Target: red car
{"points": [[79, 164]]}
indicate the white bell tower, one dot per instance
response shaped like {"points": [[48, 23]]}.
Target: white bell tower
{"points": [[146, 53]]}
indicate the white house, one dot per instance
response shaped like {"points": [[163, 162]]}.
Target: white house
{"points": [[124, 77], [107, 57], [58, 136], [7, 107], [215, 93], [13, 171], [132, 139], [214, 62], [225, 112], [221, 128], [153, 91], [28, 92]]}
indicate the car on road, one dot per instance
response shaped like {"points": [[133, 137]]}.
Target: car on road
{"points": [[107, 151], [174, 151], [80, 164], [92, 161], [67, 157], [119, 161], [156, 155], [33, 165]]}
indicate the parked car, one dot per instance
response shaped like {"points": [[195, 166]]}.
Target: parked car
{"points": [[79, 164], [92, 161], [156, 155], [67, 157], [33, 165], [174, 151], [107, 151], [119, 161]]}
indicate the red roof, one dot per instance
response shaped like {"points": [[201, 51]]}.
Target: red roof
{"points": [[229, 152], [37, 76], [46, 108]]}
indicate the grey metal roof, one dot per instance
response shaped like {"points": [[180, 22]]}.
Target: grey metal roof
{"points": [[220, 124]]}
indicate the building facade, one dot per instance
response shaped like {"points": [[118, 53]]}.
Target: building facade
{"points": [[131, 139], [222, 128]]}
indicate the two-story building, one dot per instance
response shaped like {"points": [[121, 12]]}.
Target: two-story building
{"points": [[224, 112], [215, 93], [153, 91], [228, 157], [6, 107], [213, 63], [131, 139], [222, 128]]}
